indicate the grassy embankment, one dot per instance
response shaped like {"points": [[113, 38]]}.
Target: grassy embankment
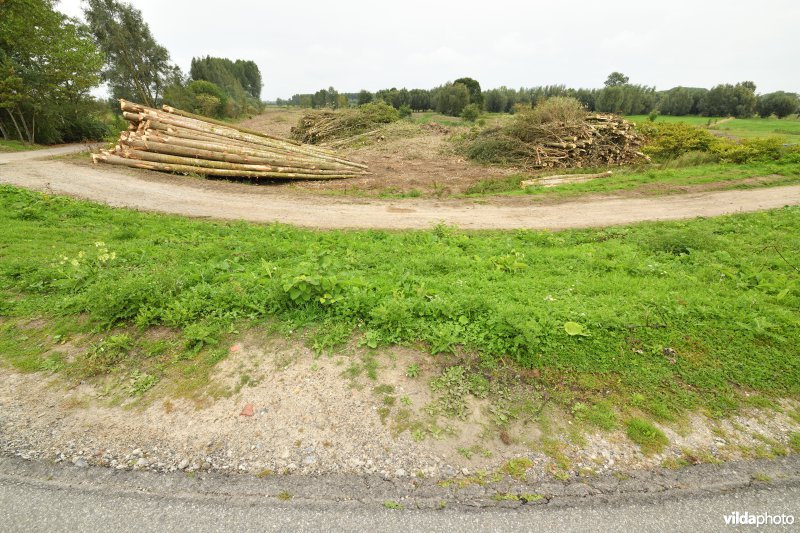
{"points": [[17, 146], [648, 320]]}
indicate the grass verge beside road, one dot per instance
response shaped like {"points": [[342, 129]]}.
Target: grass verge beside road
{"points": [[656, 180], [17, 146], [660, 317]]}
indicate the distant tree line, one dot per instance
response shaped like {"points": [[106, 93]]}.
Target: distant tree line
{"points": [[617, 95]]}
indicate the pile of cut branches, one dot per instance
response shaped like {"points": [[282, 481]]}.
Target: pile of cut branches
{"points": [[320, 127], [572, 138], [172, 140]]}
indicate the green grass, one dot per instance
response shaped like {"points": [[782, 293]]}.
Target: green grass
{"points": [[722, 294], [787, 129], [17, 146], [688, 119], [428, 117], [794, 441], [393, 505], [649, 180], [517, 468], [649, 438]]}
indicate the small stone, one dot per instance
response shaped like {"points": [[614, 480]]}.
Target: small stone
{"points": [[291, 467], [309, 459], [236, 347], [80, 462], [137, 452], [400, 472], [183, 464], [247, 410], [142, 462]]}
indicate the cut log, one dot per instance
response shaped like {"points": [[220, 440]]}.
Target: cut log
{"points": [[190, 169], [172, 140]]}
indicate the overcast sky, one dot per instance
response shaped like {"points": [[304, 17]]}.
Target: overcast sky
{"points": [[302, 46]]}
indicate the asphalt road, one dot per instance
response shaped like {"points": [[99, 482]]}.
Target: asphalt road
{"points": [[31, 506]]}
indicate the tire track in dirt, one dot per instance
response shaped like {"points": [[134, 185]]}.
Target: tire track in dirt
{"points": [[164, 193]]}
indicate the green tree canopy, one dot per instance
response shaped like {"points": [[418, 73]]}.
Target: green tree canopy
{"points": [[781, 104], [626, 99], [452, 99], [235, 77], [730, 100], [616, 79], [474, 88], [48, 64], [137, 67], [364, 97]]}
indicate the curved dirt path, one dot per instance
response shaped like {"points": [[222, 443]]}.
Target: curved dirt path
{"points": [[165, 193], [26, 155]]}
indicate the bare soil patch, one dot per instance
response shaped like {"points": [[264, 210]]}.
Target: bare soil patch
{"points": [[307, 414], [401, 157]]}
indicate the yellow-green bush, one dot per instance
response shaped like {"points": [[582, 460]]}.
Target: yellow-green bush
{"points": [[671, 139], [749, 150], [677, 140]]}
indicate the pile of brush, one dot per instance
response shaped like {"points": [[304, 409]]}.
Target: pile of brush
{"points": [[559, 134], [338, 127], [172, 140]]}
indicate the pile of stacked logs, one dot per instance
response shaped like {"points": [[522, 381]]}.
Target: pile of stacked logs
{"points": [[172, 140], [600, 140], [597, 140]]}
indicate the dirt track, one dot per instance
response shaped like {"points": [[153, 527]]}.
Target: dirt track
{"points": [[151, 191]]}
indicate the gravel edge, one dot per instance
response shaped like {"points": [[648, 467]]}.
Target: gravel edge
{"points": [[421, 493]]}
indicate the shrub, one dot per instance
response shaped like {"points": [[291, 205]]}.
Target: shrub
{"points": [[209, 99], [749, 150], [379, 113], [495, 147], [82, 128], [471, 113], [672, 139], [404, 111], [555, 109], [689, 145], [692, 159]]}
